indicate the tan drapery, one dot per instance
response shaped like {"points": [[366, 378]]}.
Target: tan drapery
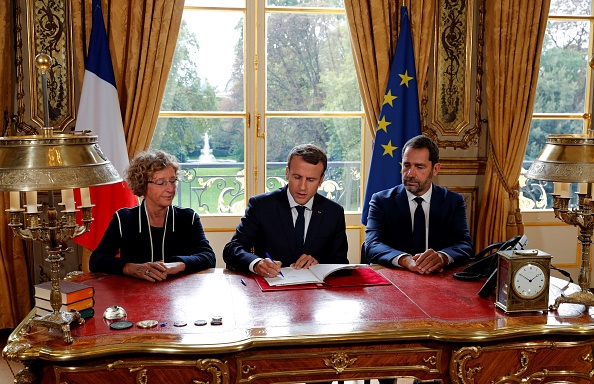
{"points": [[374, 26], [15, 294], [142, 37], [514, 32], [15, 279]]}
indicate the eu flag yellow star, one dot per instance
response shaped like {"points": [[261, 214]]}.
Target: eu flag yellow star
{"points": [[388, 98], [405, 78], [383, 124], [388, 149]]}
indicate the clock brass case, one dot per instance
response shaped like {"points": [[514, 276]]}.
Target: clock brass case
{"points": [[523, 278]]}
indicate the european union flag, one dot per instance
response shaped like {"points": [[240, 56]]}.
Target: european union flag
{"points": [[400, 118]]}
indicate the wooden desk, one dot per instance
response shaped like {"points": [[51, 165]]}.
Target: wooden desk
{"points": [[429, 327]]}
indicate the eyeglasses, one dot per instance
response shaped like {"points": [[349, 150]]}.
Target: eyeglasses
{"points": [[164, 183]]}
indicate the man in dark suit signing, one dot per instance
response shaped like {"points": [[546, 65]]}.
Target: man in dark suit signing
{"points": [[269, 234], [418, 225]]}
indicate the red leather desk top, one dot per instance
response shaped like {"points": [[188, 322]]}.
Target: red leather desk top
{"points": [[415, 307]]}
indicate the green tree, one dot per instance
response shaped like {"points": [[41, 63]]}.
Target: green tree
{"points": [[229, 133], [185, 91], [561, 78], [308, 68], [339, 80]]}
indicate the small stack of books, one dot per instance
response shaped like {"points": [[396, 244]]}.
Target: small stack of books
{"points": [[75, 296]]}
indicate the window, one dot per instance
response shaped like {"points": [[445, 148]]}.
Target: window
{"points": [[250, 80], [563, 102]]}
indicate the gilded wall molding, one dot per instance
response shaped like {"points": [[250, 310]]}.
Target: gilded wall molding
{"points": [[463, 166], [470, 196], [451, 103], [18, 119], [49, 30]]}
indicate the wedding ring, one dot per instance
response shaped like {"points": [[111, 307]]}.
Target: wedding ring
{"points": [[148, 272]]}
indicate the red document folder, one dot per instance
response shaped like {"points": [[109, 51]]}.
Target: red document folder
{"points": [[344, 278]]}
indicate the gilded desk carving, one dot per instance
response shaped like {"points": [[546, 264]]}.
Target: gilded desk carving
{"points": [[141, 376], [339, 361], [150, 371], [460, 359], [527, 362], [24, 376], [14, 348], [218, 370]]}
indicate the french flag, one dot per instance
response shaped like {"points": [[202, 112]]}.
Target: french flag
{"points": [[99, 112]]}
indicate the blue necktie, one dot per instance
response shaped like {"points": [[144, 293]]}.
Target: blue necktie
{"points": [[419, 227], [299, 228]]}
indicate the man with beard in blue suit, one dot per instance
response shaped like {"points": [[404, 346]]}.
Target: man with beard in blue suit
{"points": [[439, 214], [270, 234]]}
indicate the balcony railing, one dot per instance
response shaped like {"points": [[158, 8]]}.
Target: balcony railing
{"points": [[219, 187]]}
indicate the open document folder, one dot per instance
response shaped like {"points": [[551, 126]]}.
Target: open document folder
{"points": [[314, 274], [323, 276]]}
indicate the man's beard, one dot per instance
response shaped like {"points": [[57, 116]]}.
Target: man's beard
{"points": [[414, 189]]}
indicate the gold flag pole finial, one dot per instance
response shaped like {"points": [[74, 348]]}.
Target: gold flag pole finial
{"points": [[44, 62]]}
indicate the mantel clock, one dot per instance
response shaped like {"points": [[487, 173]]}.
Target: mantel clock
{"points": [[523, 278]]}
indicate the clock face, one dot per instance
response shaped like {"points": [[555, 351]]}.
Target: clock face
{"points": [[529, 281]]}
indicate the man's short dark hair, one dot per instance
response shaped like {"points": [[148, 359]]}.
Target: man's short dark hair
{"points": [[310, 154], [420, 142]]}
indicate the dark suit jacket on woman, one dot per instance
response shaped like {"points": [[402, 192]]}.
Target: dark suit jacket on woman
{"points": [[267, 226], [389, 225]]}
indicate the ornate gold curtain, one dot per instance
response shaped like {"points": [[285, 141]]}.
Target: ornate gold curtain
{"points": [[15, 299], [374, 26], [142, 36], [514, 32]]}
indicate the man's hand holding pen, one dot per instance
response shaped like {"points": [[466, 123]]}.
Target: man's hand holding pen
{"points": [[267, 268]]}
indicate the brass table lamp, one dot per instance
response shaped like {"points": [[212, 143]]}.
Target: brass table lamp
{"points": [[570, 159], [49, 162]]}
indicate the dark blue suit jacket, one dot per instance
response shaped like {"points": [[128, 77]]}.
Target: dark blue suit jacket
{"points": [[267, 226], [389, 225]]}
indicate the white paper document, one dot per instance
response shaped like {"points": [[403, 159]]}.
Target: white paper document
{"points": [[314, 274]]}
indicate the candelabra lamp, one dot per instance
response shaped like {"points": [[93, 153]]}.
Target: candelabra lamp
{"points": [[570, 159], [50, 162]]}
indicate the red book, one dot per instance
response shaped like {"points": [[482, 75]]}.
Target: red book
{"points": [[76, 306], [70, 290]]}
